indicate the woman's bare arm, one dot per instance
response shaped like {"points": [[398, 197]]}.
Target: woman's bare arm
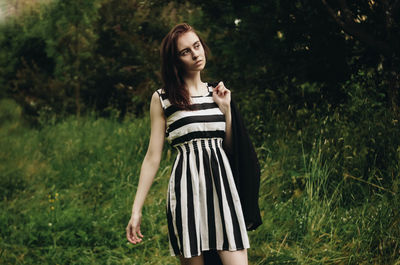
{"points": [[150, 165]]}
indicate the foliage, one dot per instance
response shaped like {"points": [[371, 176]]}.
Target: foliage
{"points": [[318, 101], [106, 55], [67, 191], [87, 55], [357, 136]]}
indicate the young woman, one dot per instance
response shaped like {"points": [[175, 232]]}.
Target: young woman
{"points": [[203, 206]]}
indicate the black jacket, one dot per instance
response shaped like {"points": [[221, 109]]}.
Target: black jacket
{"points": [[246, 172]]}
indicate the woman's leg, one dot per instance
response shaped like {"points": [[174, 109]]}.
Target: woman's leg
{"points": [[199, 260], [238, 257]]}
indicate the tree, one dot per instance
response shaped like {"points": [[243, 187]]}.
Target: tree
{"points": [[376, 25], [72, 41], [265, 45]]}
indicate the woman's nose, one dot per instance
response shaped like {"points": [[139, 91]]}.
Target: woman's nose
{"points": [[194, 55]]}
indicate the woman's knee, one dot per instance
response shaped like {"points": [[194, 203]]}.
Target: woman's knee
{"points": [[197, 260], [237, 257]]}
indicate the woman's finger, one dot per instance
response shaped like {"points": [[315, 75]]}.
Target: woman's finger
{"points": [[132, 236], [135, 236], [140, 233], [223, 89], [219, 88], [224, 92], [129, 234]]}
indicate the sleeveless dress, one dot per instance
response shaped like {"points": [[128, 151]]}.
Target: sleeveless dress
{"points": [[203, 206]]}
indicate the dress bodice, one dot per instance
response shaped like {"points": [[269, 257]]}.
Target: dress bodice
{"points": [[205, 121]]}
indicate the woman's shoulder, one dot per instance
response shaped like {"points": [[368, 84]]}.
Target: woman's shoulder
{"points": [[160, 96], [161, 93]]}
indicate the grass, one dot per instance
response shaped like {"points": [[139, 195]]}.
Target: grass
{"points": [[67, 190]]}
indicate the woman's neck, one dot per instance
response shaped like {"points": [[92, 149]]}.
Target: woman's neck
{"points": [[194, 84]]}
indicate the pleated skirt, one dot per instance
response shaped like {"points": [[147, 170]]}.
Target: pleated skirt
{"points": [[203, 206]]}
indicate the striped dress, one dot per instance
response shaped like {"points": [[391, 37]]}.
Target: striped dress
{"points": [[203, 207]]}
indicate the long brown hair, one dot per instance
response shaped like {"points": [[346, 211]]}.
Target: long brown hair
{"points": [[171, 67]]}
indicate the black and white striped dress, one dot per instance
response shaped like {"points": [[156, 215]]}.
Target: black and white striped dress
{"points": [[203, 206]]}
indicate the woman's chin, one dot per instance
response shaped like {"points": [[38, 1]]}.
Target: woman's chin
{"points": [[195, 70], [201, 67]]}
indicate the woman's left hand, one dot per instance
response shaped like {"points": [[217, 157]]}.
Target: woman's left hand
{"points": [[222, 96]]}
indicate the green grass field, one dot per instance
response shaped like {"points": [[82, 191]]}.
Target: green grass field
{"points": [[67, 190]]}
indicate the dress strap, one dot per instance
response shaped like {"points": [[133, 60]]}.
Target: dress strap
{"points": [[210, 87], [161, 96]]}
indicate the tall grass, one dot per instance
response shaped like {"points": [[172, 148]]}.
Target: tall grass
{"points": [[67, 191], [306, 222]]}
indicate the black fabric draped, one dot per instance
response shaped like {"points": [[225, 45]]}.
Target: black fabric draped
{"points": [[246, 171]]}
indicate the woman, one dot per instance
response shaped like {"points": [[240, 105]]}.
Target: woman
{"points": [[203, 206]]}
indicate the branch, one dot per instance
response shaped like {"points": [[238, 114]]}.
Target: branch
{"points": [[356, 30], [333, 14]]}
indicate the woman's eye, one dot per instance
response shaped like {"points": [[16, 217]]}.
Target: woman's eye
{"points": [[197, 46]]}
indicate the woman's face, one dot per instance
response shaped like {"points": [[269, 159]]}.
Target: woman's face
{"points": [[191, 52]]}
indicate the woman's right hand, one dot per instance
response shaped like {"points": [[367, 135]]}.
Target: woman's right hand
{"points": [[133, 228]]}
